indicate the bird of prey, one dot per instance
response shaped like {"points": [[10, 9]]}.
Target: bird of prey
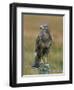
{"points": [[42, 46]]}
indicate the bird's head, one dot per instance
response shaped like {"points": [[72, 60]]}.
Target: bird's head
{"points": [[44, 27]]}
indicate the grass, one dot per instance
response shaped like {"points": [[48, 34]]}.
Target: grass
{"points": [[30, 31]]}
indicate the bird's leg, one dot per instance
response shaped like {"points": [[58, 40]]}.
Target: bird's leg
{"points": [[45, 59], [42, 60]]}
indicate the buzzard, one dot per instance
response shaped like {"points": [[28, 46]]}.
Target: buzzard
{"points": [[42, 46]]}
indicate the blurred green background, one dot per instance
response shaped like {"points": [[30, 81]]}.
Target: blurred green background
{"points": [[31, 25]]}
